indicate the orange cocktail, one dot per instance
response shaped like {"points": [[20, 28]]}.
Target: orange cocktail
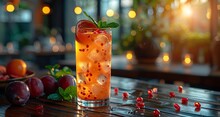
{"points": [[93, 65]]}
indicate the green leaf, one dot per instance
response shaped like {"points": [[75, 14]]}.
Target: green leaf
{"points": [[90, 18], [71, 90], [112, 25], [61, 91], [102, 24], [69, 93], [54, 96]]}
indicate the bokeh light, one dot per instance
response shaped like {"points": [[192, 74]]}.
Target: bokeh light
{"points": [[131, 14], [187, 11], [10, 7], [129, 55], [110, 13], [78, 10], [46, 10]]}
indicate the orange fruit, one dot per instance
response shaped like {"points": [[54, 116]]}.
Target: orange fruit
{"points": [[81, 25], [16, 68]]}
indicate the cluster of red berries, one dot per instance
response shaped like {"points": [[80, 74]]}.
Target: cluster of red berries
{"points": [[184, 101], [156, 113], [139, 102]]}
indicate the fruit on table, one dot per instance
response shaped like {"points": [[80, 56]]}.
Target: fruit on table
{"points": [[17, 93], [16, 68], [50, 84], [66, 81], [35, 86]]}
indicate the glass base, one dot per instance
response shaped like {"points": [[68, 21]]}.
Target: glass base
{"points": [[93, 103]]}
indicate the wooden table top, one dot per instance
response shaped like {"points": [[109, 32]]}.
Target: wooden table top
{"points": [[209, 100]]}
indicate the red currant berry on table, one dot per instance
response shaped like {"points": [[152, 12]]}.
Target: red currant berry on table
{"points": [[180, 89], [184, 100], [172, 94], [140, 104], [156, 113], [39, 107], [176, 106], [125, 94], [197, 105], [139, 99], [150, 92], [116, 90]]}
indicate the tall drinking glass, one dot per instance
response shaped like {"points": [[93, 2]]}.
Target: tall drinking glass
{"points": [[93, 66]]}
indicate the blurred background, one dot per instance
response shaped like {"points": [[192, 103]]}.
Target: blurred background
{"points": [[165, 32]]}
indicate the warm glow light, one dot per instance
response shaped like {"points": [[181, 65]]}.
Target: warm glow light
{"points": [[52, 40], [131, 14], [46, 10], [183, 1], [187, 11], [109, 12], [129, 55], [208, 14], [69, 46], [162, 44], [10, 7], [78, 10], [166, 57], [187, 60], [55, 48], [73, 29]]}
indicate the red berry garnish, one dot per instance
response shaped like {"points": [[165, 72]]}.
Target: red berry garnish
{"points": [[140, 104], [116, 90], [139, 99], [39, 108], [180, 89], [150, 96], [184, 100], [125, 94], [172, 94], [156, 113], [197, 109], [176, 106], [150, 93], [197, 105]]}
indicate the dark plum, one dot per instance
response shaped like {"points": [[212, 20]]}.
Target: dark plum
{"points": [[50, 84], [66, 81], [17, 93], [35, 86]]}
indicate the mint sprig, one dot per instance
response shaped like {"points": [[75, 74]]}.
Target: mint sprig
{"points": [[102, 24], [68, 94], [56, 72]]}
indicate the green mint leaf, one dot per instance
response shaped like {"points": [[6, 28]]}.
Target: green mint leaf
{"points": [[61, 91], [53, 69], [54, 96], [99, 23], [68, 94], [112, 25], [67, 70], [71, 90], [90, 18], [68, 98]]}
